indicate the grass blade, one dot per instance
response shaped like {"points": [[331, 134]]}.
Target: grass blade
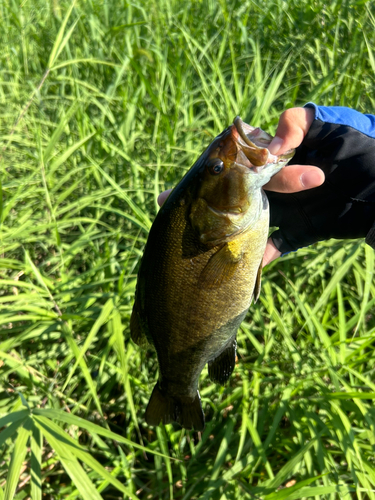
{"points": [[82, 454], [102, 319], [36, 464], [61, 41], [18, 456], [68, 460], [91, 427]]}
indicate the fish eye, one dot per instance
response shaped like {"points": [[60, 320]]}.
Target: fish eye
{"points": [[216, 167]]}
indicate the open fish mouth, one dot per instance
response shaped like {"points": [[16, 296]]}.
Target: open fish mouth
{"points": [[246, 131], [254, 142]]}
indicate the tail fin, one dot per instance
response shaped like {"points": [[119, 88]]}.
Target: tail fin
{"points": [[165, 408]]}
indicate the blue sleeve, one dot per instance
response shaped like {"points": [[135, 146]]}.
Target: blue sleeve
{"points": [[340, 115]]}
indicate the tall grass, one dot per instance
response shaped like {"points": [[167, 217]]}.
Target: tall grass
{"points": [[103, 105]]}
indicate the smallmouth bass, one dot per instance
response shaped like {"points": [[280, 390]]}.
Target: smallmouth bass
{"points": [[201, 268]]}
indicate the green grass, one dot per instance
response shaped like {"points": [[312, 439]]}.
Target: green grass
{"points": [[104, 105]]}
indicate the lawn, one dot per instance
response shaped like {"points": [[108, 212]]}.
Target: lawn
{"points": [[104, 105]]}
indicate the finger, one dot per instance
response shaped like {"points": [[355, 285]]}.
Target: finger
{"points": [[271, 253], [163, 196], [293, 125], [295, 178]]}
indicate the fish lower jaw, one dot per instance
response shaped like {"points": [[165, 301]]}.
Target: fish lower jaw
{"points": [[273, 163]]}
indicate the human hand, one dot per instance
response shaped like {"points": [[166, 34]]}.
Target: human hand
{"points": [[341, 141], [293, 125]]}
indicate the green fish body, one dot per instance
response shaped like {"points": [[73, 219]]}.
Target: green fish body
{"points": [[201, 268]]}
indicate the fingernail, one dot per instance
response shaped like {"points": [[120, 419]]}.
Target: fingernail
{"points": [[163, 196], [275, 145], [311, 179], [161, 199]]}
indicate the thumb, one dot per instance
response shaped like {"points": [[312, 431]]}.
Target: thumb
{"points": [[293, 125]]}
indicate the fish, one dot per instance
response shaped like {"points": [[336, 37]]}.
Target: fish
{"points": [[201, 269]]}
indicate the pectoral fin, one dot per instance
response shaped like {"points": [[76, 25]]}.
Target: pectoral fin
{"points": [[258, 283], [221, 368], [221, 267]]}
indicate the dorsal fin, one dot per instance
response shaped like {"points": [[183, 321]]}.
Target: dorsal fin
{"points": [[136, 331]]}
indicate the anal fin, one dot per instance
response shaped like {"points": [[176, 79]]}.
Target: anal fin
{"points": [[221, 368], [165, 408]]}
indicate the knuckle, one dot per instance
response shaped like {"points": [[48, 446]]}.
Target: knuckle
{"points": [[292, 113]]}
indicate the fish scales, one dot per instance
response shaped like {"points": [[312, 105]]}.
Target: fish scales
{"points": [[199, 271]]}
